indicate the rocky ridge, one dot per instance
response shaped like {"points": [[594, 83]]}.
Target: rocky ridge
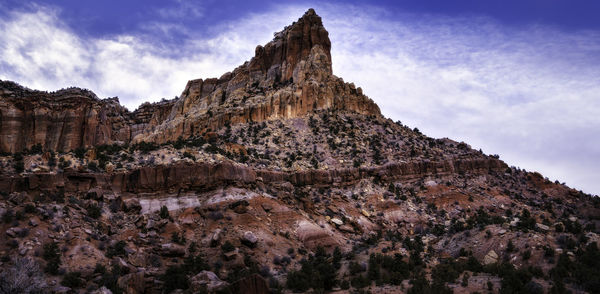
{"points": [[68, 119]]}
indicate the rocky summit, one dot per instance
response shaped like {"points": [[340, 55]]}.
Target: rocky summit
{"points": [[277, 177]]}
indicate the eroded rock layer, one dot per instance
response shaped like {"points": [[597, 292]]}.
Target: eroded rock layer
{"points": [[67, 119]]}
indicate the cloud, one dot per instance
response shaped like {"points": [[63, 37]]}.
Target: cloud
{"points": [[181, 9], [39, 51], [530, 94]]}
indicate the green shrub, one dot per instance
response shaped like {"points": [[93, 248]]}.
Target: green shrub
{"points": [[110, 279], [316, 272], [18, 163], [94, 211], [189, 155], [175, 278], [51, 255], [93, 166], [177, 238], [36, 149], [116, 250], [227, 247], [164, 212], [72, 280], [79, 152]]}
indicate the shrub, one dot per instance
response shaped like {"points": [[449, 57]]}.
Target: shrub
{"points": [[189, 155], [36, 149], [360, 282], [93, 166], [194, 264], [79, 152], [179, 239], [510, 247], [345, 285], [51, 255], [116, 250], [18, 163], [164, 212], [175, 278], [145, 147], [29, 208], [227, 247], [110, 279], [24, 276], [52, 159], [316, 272], [526, 222], [72, 280], [444, 273], [94, 211]]}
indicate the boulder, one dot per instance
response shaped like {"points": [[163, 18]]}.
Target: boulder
{"points": [[171, 249], [337, 221], [215, 239], [132, 205], [132, 283], [542, 227], [249, 239], [490, 257], [206, 280], [102, 290]]}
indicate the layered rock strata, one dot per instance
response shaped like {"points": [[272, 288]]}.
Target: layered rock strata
{"points": [[207, 176], [69, 118]]}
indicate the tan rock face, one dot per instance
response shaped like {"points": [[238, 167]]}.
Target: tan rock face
{"points": [[289, 77], [68, 119]]}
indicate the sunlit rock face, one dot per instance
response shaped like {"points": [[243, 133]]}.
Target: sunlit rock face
{"points": [[67, 119]]}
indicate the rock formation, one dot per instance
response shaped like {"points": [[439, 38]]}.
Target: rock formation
{"points": [[68, 119], [278, 177]]}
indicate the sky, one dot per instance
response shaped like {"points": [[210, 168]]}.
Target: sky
{"points": [[520, 79]]}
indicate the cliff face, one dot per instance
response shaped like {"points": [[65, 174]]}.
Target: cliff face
{"points": [[68, 119], [288, 77], [209, 176]]}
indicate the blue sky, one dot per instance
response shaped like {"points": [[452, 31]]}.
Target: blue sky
{"points": [[516, 78]]}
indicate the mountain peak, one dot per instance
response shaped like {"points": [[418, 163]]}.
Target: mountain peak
{"points": [[292, 45]]}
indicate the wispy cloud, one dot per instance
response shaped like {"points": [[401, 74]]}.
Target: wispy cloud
{"points": [[38, 50], [181, 9], [530, 94]]}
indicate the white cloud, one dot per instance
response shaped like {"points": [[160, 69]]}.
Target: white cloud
{"points": [[39, 51], [530, 94]]}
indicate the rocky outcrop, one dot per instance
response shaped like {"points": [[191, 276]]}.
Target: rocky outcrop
{"points": [[207, 176], [69, 118], [288, 77]]}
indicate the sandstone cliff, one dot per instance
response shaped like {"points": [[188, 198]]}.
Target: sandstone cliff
{"points": [[288, 77], [69, 118]]}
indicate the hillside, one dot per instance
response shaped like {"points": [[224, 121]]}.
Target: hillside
{"points": [[275, 177]]}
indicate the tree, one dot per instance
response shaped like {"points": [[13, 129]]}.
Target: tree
{"points": [[24, 276], [52, 257], [164, 212]]}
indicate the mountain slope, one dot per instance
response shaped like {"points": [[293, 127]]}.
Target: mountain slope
{"points": [[277, 176]]}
